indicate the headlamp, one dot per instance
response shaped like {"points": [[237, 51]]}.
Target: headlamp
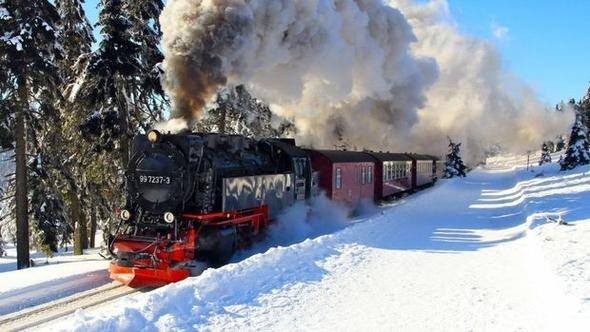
{"points": [[153, 136], [169, 217], [125, 214]]}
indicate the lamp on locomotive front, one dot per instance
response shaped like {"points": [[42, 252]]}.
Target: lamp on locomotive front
{"points": [[153, 136], [125, 214], [169, 217]]}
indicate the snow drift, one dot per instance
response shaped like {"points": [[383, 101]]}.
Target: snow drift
{"points": [[369, 74]]}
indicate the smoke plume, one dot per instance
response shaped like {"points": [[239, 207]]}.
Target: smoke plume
{"points": [[475, 100], [385, 76]]}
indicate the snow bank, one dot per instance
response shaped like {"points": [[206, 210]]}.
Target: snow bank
{"points": [[65, 274]]}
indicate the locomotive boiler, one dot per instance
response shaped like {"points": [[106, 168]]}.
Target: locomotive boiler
{"points": [[198, 197]]}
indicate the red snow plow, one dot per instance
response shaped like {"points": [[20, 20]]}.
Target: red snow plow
{"points": [[143, 261]]}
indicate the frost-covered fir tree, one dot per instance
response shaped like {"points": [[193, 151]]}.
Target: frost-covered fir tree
{"points": [[146, 32], [545, 154], [29, 52], [107, 82], [584, 108], [454, 164], [76, 35], [236, 111], [559, 144], [578, 149]]}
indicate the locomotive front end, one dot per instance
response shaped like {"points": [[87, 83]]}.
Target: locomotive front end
{"points": [[148, 247]]}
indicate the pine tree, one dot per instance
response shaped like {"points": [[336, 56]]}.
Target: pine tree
{"points": [[118, 85], [578, 149], [106, 82], [545, 154], [454, 164], [236, 111], [77, 40], [76, 34], [29, 51], [584, 108], [559, 144], [148, 96]]}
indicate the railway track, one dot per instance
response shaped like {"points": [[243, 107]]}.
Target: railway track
{"points": [[41, 314]]}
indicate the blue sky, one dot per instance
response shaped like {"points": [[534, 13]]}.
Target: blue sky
{"points": [[545, 42]]}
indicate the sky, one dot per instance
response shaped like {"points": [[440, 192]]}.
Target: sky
{"points": [[544, 42]]}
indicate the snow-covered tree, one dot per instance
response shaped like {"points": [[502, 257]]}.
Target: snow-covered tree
{"points": [[559, 144], [584, 108], [118, 87], [106, 82], [76, 35], [236, 111], [29, 52], [545, 154], [578, 149], [148, 96], [454, 164]]}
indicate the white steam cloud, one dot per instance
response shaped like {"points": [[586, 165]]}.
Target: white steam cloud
{"points": [[304, 221], [475, 100], [395, 76]]}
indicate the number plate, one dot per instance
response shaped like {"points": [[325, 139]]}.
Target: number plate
{"points": [[154, 179]]}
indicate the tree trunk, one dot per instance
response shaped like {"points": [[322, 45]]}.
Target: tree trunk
{"points": [[22, 221], [92, 228], [124, 125], [83, 229], [79, 222]]}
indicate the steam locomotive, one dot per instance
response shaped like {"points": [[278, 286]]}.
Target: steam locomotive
{"points": [[198, 197]]}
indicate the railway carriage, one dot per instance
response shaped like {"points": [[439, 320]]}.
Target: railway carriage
{"points": [[422, 170], [393, 174], [345, 176]]}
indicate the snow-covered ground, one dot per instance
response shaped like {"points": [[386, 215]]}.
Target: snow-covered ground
{"points": [[479, 253], [50, 279]]}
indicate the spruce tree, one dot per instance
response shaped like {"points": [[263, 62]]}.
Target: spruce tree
{"points": [[76, 35], [559, 144], [29, 51], [106, 82], [577, 152], [148, 96], [454, 164], [584, 108], [77, 39], [545, 154], [118, 86]]}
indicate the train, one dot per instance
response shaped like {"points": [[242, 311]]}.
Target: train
{"points": [[198, 197]]}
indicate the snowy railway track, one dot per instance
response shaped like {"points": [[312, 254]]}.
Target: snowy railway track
{"points": [[38, 315]]}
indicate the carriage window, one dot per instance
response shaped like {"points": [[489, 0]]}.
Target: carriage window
{"points": [[364, 175], [390, 171], [370, 175], [338, 178]]}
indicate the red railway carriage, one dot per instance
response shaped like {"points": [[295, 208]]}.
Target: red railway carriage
{"points": [[422, 170], [392, 173], [346, 176]]}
